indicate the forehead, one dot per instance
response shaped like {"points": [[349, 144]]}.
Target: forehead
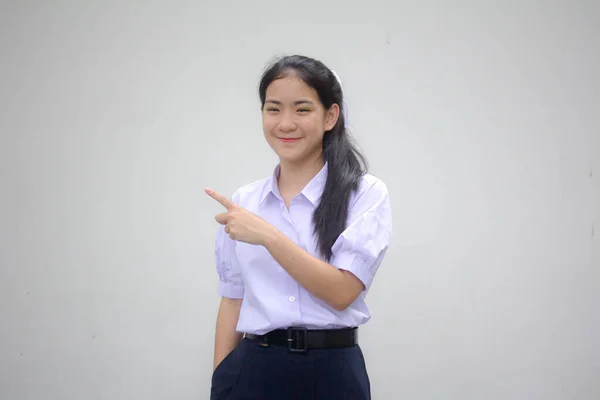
{"points": [[290, 88]]}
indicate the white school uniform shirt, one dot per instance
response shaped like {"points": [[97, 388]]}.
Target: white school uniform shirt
{"points": [[272, 299]]}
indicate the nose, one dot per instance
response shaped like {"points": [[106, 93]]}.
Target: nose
{"points": [[286, 123]]}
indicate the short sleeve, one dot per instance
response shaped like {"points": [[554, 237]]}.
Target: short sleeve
{"points": [[362, 246], [231, 283]]}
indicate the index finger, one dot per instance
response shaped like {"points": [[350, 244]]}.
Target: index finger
{"points": [[225, 202]]}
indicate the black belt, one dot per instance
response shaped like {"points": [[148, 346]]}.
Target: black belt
{"points": [[299, 339]]}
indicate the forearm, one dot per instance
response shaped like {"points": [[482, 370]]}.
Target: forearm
{"points": [[336, 287], [226, 336]]}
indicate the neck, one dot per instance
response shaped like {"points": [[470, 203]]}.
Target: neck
{"points": [[293, 177]]}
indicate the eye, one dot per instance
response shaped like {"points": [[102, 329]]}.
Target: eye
{"points": [[272, 109], [303, 110]]}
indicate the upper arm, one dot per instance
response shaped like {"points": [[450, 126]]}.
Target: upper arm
{"points": [[231, 282], [361, 247]]}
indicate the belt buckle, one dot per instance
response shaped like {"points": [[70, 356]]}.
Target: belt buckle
{"points": [[293, 334]]}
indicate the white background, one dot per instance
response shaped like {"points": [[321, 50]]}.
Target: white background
{"points": [[482, 118]]}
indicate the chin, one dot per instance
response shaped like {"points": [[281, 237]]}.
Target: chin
{"points": [[285, 156]]}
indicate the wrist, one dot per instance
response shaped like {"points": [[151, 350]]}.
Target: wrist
{"points": [[271, 236]]}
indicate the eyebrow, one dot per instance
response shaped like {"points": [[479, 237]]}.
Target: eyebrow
{"points": [[297, 102]]}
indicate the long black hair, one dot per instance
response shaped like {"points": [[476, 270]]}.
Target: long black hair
{"points": [[345, 164]]}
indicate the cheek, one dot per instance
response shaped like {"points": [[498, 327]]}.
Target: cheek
{"points": [[268, 123], [313, 127]]}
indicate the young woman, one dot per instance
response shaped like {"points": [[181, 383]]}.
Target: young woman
{"points": [[298, 251]]}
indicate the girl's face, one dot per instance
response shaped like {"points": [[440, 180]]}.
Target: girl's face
{"points": [[294, 120]]}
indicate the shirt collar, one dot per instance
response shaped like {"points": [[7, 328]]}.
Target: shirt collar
{"points": [[312, 191]]}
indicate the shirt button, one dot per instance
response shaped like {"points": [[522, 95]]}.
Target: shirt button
{"points": [[291, 298]]}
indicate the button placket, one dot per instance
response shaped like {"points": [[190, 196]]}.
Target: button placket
{"points": [[292, 233]]}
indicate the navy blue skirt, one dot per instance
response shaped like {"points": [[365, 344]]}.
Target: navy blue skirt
{"points": [[254, 371]]}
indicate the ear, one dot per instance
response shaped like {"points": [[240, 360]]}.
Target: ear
{"points": [[331, 117]]}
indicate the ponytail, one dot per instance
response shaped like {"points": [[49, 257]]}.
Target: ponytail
{"points": [[345, 167]]}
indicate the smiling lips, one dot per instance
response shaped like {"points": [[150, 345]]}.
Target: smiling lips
{"points": [[289, 140]]}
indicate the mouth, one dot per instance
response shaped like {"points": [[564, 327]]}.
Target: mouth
{"points": [[289, 140]]}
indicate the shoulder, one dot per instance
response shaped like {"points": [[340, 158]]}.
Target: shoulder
{"points": [[371, 197], [370, 204], [371, 189]]}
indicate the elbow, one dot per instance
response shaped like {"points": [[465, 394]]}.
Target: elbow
{"points": [[346, 293], [342, 306], [342, 301]]}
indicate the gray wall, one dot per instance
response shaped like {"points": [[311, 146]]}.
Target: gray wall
{"points": [[481, 118]]}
